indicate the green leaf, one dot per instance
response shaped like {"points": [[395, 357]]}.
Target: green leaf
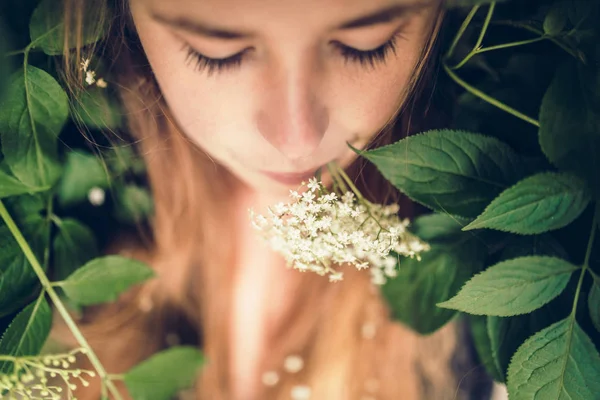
{"points": [[420, 285], [449, 171], [47, 26], [27, 333], [18, 282], [559, 362], [540, 203], [74, 245], [513, 287], [594, 303], [556, 19], [11, 186], [570, 122], [438, 226], [31, 118], [97, 110], [483, 345], [506, 334], [133, 204], [103, 279], [163, 375], [83, 171]]}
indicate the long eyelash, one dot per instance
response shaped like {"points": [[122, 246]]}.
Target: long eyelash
{"points": [[364, 58], [211, 65], [370, 57]]}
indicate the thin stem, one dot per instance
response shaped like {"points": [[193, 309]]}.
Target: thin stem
{"points": [[577, 291], [496, 47], [345, 177], [489, 99], [512, 44], [47, 285], [14, 53], [336, 178], [586, 261], [486, 23], [527, 27], [588, 251], [462, 30]]}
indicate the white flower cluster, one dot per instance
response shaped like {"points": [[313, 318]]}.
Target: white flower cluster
{"points": [[31, 377], [320, 229], [90, 76]]}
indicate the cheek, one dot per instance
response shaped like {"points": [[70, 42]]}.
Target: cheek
{"points": [[369, 102], [196, 103]]}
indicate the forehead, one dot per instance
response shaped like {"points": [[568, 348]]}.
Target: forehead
{"points": [[256, 14]]}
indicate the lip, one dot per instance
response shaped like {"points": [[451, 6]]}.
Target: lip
{"points": [[290, 178]]}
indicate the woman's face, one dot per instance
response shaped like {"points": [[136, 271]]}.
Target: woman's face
{"points": [[273, 89]]}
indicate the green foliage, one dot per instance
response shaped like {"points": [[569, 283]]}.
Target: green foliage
{"points": [[516, 200], [164, 374], [27, 333], [135, 204], [559, 362], [103, 279], [83, 171], [512, 287], [420, 285], [97, 110], [74, 245], [511, 175], [570, 121], [11, 186], [450, 171], [539, 203], [594, 303], [483, 345], [17, 279], [47, 27], [44, 180], [35, 108]]}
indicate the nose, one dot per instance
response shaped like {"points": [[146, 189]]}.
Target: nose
{"points": [[291, 117]]}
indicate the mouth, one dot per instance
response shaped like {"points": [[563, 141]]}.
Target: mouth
{"points": [[290, 178]]}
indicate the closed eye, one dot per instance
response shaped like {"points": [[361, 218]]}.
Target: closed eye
{"points": [[364, 58]]}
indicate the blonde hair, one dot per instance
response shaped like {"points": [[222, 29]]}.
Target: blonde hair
{"points": [[342, 332]]}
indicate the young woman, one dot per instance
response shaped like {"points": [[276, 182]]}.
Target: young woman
{"points": [[232, 103]]}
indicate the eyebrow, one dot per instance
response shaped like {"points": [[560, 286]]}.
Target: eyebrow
{"points": [[381, 16]]}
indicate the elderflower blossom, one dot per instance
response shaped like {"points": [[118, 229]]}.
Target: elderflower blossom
{"points": [[44, 377], [319, 230], [90, 76]]}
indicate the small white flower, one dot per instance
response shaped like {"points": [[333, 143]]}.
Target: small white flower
{"points": [[318, 230], [96, 196], [313, 184], [101, 83], [336, 277], [30, 377], [85, 63], [90, 77]]}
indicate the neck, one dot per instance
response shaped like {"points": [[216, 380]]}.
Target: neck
{"points": [[259, 301]]}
